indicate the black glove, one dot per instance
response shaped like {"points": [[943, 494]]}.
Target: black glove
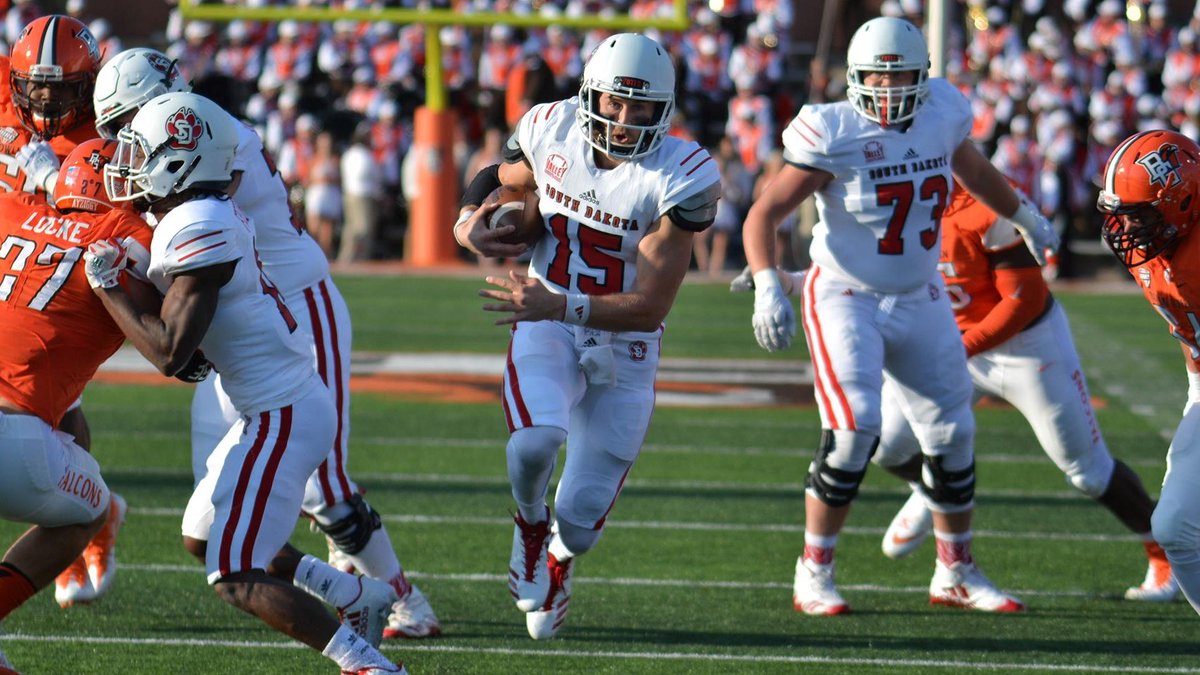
{"points": [[196, 370]]}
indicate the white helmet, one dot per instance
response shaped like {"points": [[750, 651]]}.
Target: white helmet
{"points": [[128, 81], [176, 142], [887, 44], [631, 66]]}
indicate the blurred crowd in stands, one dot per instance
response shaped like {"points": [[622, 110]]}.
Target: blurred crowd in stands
{"points": [[1054, 86]]}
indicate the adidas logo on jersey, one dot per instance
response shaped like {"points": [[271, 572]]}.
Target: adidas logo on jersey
{"points": [[590, 196], [911, 154], [590, 342]]}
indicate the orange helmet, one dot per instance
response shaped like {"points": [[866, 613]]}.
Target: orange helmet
{"points": [[57, 56], [1150, 185], [80, 183]]}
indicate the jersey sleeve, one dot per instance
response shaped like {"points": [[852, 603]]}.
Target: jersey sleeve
{"points": [[248, 147], [692, 191], [201, 244], [807, 140], [957, 115]]}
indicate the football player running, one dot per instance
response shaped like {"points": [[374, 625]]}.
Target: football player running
{"points": [[45, 112], [881, 167], [621, 202], [1019, 349], [54, 334], [175, 162], [1149, 196], [294, 262]]}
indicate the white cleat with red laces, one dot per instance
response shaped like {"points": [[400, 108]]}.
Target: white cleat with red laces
{"points": [[528, 578], [544, 623], [963, 585], [393, 669], [412, 617], [814, 592], [910, 527], [367, 614]]}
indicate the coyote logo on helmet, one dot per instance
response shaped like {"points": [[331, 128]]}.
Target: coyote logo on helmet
{"points": [[184, 129], [1162, 165]]}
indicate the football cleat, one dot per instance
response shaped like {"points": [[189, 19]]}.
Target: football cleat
{"points": [[101, 552], [412, 617], [1160, 584], [528, 580], [910, 527], [544, 623], [73, 585], [814, 592], [963, 585], [394, 668], [367, 613]]}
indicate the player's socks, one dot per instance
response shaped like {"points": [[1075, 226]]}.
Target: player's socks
{"points": [[321, 580], [377, 559], [819, 548], [352, 653], [953, 547], [15, 589]]}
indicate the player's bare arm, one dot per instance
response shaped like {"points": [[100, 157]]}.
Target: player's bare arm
{"points": [[169, 339], [783, 195], [663, 257]]}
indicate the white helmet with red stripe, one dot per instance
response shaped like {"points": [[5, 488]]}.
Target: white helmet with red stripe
{"points": [[887, 44], [632, 66]]}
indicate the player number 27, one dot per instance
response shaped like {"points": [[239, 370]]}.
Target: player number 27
{"points": [[63, 260], [597, 249], [900, 197]]}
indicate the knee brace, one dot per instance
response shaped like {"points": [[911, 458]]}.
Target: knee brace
{"points": [[352, 532], [833, 485], [951, 489]]}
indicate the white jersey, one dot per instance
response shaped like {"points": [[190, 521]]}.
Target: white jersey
{"points": [[880, 215], [265, 363], [597, 217], [290, 257]]}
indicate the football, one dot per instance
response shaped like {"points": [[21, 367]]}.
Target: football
{"points": [[519, 208]]}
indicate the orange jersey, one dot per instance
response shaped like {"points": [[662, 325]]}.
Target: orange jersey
{"points": [[967, 241], [14, 135], [1175, 291], [54, 331]]}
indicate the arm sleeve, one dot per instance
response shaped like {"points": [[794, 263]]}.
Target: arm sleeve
{"points": [[1023, 295], [481, 186]]}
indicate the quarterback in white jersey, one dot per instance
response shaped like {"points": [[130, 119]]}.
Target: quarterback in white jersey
{"points": [[621, 202], [880, 164], [175, 161], [294, 262]]}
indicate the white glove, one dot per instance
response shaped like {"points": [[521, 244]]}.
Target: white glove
{"points": [[1039, 234], [103, 263], [596, 355], [743, 282], [40, 163], [774, 319]]}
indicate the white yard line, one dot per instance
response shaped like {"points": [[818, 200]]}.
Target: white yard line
{"points": [[411, 647], [677, 526]]}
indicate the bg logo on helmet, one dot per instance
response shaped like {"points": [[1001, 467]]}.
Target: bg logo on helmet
{"points": [[1162, 165], [184, 129]]}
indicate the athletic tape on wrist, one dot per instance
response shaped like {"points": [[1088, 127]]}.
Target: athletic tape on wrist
{"points": [[579, 308], [466, 215]]}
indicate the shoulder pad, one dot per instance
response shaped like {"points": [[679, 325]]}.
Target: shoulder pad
{"points": [[807, 140], [199, 245]]}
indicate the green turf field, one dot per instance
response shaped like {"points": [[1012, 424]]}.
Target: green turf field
{"points": [[694, 572]]}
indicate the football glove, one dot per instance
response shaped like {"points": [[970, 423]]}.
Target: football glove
{"points": [[40, 163], [774, 319], [743, 282], [596, 358], [1039, 234], [103, 263]]}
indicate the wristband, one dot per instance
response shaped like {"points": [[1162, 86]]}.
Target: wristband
{"points": [[578, 309], [767, 279], [464, 217], [1193, 387]]}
